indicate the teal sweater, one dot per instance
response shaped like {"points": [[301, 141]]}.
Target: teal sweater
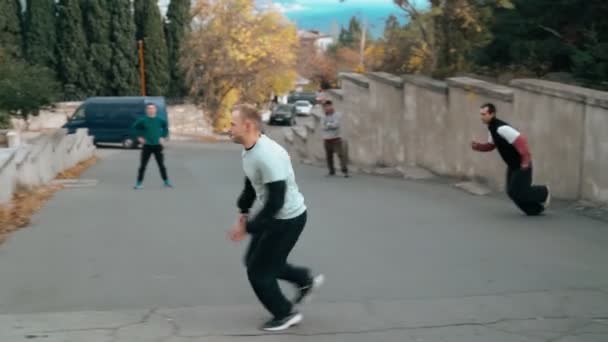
{"points": [[151, 129]]}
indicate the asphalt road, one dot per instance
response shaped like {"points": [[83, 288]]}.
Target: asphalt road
{"points": [[404, 261]]}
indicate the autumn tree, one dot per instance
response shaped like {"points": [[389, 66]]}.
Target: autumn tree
{"points": [[448, 34], [234, 50]]}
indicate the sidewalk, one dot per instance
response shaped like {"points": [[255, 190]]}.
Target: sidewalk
{"points": [[565, 316]]}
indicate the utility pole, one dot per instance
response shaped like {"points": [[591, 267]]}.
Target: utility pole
{"points": [[142, 67]]}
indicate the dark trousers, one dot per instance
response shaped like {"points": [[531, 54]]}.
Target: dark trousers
{"points": [[266, 261], [527, 197], [336, 146], [146, 152]]}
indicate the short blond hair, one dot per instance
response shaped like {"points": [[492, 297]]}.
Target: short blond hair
{"points": [[249, 112]]}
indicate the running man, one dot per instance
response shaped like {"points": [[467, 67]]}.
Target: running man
{"points": [[513, 148], [276, 227], [152, 133]]}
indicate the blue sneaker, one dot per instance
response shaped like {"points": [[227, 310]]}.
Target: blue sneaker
{"points": [[168, 184], [138, 186]]}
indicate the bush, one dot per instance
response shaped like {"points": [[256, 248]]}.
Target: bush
{"points": [[5, 120], [24, 88]]}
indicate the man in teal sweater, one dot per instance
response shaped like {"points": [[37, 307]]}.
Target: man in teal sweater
{"points": [[151, 131]]}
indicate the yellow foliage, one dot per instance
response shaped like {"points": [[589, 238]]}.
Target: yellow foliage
{"points": [[234, 46], [419, 57], [224, 115]]}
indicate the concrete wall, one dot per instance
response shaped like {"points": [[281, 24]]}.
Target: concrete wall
{"points": [[426, 105], [595, 156], [463, 124], [39, 160], [386, 108], [359, 126], [405, 121]]}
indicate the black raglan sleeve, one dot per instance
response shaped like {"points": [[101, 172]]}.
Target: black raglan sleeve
{"points": [[247, 197], [274, 203]]}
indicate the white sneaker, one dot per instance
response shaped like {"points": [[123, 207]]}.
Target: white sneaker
{"points": [[547, 202], [306, 291], [283, 323]]}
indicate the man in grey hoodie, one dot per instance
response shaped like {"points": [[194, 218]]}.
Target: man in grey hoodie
{"points": [[332, 138]]}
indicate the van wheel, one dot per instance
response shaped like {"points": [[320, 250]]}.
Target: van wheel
{"points": [[128, 143]]}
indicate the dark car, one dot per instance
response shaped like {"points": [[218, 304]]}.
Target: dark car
{"points": [[283, 114], [302, 96], [111, 119]]}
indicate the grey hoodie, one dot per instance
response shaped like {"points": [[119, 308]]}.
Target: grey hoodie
{"points": [[331, 126]]}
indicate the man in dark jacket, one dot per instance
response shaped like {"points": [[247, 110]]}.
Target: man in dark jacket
{"points": [[151, 132], [513, 148]]}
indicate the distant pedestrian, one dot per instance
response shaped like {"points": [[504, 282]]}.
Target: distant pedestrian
{"points": [[152, 133], [276, 227], [513, 148], [333, 140]]}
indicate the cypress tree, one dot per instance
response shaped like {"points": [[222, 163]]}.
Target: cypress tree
{"points": [[178, 23], [40, 33], [124, 80], [97, 28], [11, 40], [150, 28], [71, 49]]}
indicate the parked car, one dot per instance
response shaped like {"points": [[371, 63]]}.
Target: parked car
{"points": [[303, 107], [110, 119], [299, 96], [283, 114]]}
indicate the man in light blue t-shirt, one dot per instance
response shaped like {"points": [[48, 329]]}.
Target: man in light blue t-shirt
{"points": [[275, 229]]}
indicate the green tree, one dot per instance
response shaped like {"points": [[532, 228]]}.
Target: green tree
{"points": [[352, 35], [96, 14], [25, 88], [544, 36], [150, 30], [71, 48], [10, 28], [178, 23], [123, 77], [40, 33]]}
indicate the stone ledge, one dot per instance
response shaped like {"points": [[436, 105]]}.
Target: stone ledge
{"points": [[338, 93], [554, 89], [427, 83], [6, 156], [598, 99], [482, 87], [473, 188], [288, 135], [300, 132], [357, 79], [310, 127], [386, 78]]}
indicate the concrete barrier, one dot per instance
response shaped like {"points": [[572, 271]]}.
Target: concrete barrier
{"points": [[37, 161], [411, 120]]}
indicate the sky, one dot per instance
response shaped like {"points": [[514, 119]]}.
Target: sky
{"points": [[328, 15]]}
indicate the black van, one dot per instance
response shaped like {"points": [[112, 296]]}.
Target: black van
{"points": [[110, 119]]}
